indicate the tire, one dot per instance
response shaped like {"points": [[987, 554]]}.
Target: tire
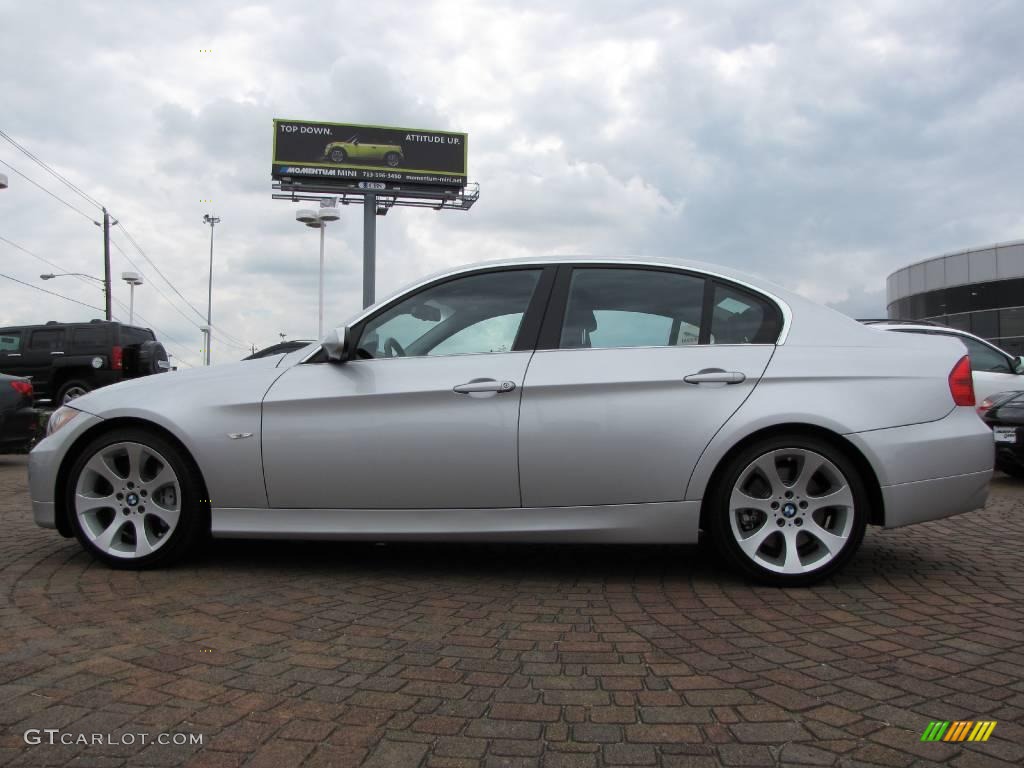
{"points": [[134, 500], [392, 159], [338, 155], [800, 540], [71, 389], [150, 358]]}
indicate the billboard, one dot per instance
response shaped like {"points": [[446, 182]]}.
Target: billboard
{"points": [[342, 152]]}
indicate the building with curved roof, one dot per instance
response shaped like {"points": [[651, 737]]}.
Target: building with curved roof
{"points": [[980, 290]]}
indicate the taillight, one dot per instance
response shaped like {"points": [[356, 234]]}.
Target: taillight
{"points": [[961, 383], [117, 358], [23, 387], [984, 407]]}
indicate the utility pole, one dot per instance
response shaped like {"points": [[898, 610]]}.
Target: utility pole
{"points": [[106, 261], [212, 221]]}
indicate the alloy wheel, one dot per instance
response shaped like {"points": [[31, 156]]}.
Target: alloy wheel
{"points": [[128, 500], [791, 511]]}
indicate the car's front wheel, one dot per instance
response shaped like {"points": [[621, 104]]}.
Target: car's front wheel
{"points": [[392, 159], [789, 510], [134, 500]]}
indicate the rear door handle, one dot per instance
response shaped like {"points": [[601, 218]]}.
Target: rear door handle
{"points": [[715, 376], [483, 385]]}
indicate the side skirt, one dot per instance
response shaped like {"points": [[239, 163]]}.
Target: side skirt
{"points": [[663, 522]]}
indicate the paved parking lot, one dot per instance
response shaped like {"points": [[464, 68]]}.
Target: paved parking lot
{"points": [[462, 655]]}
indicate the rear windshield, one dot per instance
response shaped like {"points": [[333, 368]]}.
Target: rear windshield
{"points": [[131, 336]]}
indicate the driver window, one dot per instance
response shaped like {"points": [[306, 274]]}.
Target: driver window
{"points": [[476, 314]]}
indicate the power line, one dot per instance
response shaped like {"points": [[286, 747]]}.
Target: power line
{"points": [[79, 211], [45, 261], [154, 286], [52, 293], [50, 170], [72, 186], [139, 249], [202, 317]]}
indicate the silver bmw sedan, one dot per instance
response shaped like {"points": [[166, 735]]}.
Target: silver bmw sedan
{"points": [[540, 400]]}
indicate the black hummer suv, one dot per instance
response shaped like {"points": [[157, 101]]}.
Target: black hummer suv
{"points": [[65, 360]]}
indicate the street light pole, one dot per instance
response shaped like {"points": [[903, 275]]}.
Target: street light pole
{"points": [[212, 221], [318, 220], [133, 279], [106, 262]]}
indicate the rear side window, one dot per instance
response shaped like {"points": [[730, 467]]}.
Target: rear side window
{"points": [[984, 358], [10, 341], [132, 336], [88, 339], [740, 317], [46, 341], [610, 307]]}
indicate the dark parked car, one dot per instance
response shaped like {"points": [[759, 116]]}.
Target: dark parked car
{"points": [[19, 421], [1004, 412], [282, 348], [65, 360]]}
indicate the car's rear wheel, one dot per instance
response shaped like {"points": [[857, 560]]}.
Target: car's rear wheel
{"points": [[392, 159], [338, 155], [790, 510], [69, 390], [134, 500]]}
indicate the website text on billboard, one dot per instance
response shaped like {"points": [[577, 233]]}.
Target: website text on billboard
{"points": [[351, 153]]}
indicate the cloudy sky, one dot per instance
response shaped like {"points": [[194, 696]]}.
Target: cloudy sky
{"points": [[821, 144]]}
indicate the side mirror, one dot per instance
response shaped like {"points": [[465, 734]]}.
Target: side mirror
{"points": [[1018, 364], [337, 343]]}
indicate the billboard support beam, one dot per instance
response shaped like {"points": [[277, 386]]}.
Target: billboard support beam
{"points": [[369, 247], [372, 199]]}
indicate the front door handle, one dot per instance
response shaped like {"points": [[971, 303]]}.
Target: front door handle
{"points": [[483, 385], [715, 376]]}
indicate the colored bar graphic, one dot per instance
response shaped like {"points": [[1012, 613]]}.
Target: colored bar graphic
{"points": [[959, 730]]}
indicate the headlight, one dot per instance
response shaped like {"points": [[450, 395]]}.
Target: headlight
{"points": [[60, 418]]}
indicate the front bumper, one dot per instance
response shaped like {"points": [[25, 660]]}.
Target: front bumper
{"points": [[932, 470], [43, 464]]}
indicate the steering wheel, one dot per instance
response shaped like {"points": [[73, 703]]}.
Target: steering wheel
{"points": [[392, 348]]}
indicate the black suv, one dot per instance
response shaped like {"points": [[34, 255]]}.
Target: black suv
{"points": [[65, 360]]}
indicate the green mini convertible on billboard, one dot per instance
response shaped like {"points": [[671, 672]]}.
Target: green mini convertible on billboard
{"points": [[355, 151], [346, 154]]}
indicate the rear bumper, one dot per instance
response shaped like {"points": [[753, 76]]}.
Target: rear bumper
{"points": [[925, 500], [19, 429], [931, 470]]}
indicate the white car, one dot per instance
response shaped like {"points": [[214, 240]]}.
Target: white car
{"points": [[993, 369]]}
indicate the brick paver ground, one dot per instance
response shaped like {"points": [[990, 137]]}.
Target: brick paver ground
{"points": [[288, 654]]}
